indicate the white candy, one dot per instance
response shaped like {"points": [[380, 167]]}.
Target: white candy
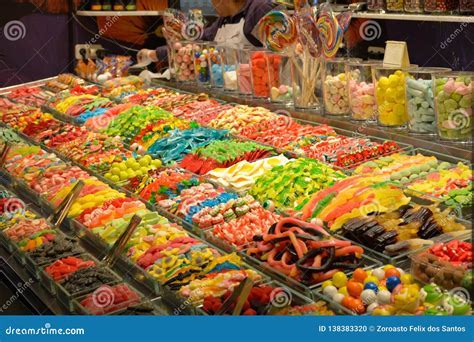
{"points": [[379, 273], [384, 297], [371, 307], [368, 296], [330, 291], [338, 297]]}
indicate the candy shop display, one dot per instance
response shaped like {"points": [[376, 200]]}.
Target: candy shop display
{"points": [[335, 91], [30, 96], [361, 90], [408, 222], [229, 73], [131, 168], [244, 76], [389, 290], [413, 6], [394, 5], [420, 102], [289, 185], [222, 154], [346, 151], [230, 194], [201, 66], [466, 7], [304, 251], [183, 54], [242, 175], [447, 264], [453, 102], [239, 117], [279, 75], [376, 5], [352, 197], [441, 6], [391, 97]]}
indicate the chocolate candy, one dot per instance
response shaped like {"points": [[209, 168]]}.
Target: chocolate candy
{"points": [[88, 279], [59, 248]]}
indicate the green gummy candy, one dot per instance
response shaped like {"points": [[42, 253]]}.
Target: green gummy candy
{"points": [[456, 97], [450, 105], [465, 102]]}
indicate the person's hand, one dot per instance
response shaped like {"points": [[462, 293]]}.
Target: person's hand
{"points": [[146, 55]]}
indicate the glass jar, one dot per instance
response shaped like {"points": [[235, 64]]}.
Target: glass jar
{"points": [[201, 66], [361, 90], [259, 71], [419, 100], [453, 105], [441, 6], [390, 97], [466, 7], [375, 5], [215, 65], [171, 59], [229, 69], [305, 77], [244, 78], [183, 61], [279, 75], [335, 92], [394, 5], [414, 6]]}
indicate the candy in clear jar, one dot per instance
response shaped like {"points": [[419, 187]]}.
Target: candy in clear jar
{"points": [[466, 6], [361, 89], [420, 101], [183, 61], [414, 6], [441, 6], [454, 102], [259, 71], [244, 77], [390, 97], [375, 5], [229, 68], [201, 66], [335, 94], [279, 75], [215, 65], [395, 5]]}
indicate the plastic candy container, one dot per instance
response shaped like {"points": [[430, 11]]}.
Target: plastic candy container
{"points": [[466, 6], [441, 6], [390, 96], [201, 66], [420, 102], [454, 101], [259, 65], [279, 75], [447, 264], [336, 98], [362, 102], [183, 61], [414, 6], [244, 77], [305, 75], [229, 59], [395, 5], [376, 5], [215, 65]]}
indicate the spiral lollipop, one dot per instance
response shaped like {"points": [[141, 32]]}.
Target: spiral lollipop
{"points": [[277, 31], [330, 31]]}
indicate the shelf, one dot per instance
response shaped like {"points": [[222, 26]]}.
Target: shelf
{"points": [[428, 143], [118, 13], [415, 17]]}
